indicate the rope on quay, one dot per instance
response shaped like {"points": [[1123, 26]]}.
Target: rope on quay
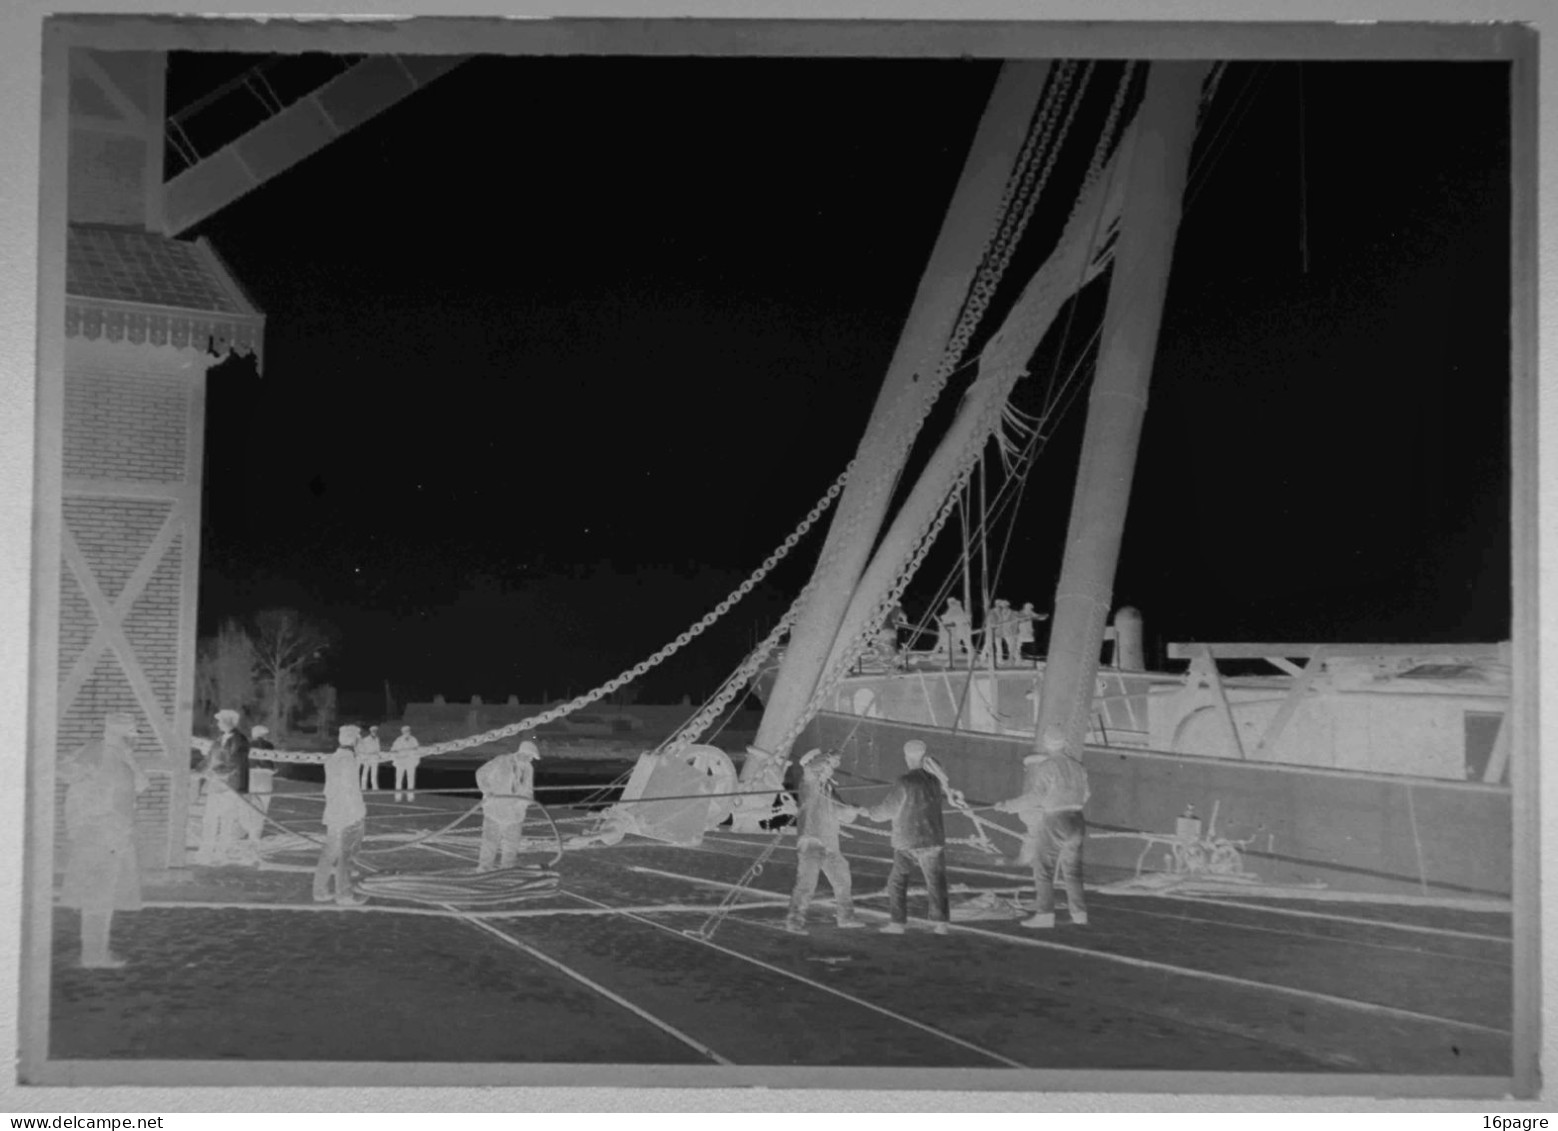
{"points": [[456, 887], [460, 888]]}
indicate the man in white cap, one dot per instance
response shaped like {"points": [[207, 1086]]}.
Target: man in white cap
{"points": [[102, 874], [344, 816], [406, 762], [507, 785], [225, 769], [368, 754], [919, 839], [817, 848], [1052, 810]]}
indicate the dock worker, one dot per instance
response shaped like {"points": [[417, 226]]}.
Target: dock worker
{"points": [[261, 778], [507, 785], [405, 763], [225, 769], [919, 839], [102, 874], [1052, 809], [817, 847], [368, 756], [345, 813]]}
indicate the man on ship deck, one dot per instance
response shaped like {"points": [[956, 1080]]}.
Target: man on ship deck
{"points": [[956, 636]]}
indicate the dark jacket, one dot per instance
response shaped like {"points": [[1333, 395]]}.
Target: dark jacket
{"points": [[228, 761], [914, 806]]}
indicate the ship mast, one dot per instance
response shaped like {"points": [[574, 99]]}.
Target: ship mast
{"points": [[972, 215], [1154, 195]]}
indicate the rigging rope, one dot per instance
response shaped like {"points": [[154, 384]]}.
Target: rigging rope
{"points": [[1002, 364], [706, 930], [1056, 403]]}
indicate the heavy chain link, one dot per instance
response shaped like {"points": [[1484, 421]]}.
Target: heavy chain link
{"points": [[665, 653], [1018, 199], [1001, 257]]}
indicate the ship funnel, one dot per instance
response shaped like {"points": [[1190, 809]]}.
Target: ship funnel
{"points": [[1128, 653]]}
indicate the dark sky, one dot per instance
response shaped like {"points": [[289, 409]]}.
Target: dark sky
{"points": [[558, 349]]}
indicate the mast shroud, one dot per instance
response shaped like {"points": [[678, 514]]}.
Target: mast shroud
{"points": [[1002, 362], [1154, 202], [972, 216]]}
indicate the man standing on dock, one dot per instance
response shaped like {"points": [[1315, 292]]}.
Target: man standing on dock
{"points": [[368, 755], [102, 872], [225, 769], [817, 849], [919, 839], [345, 814], [507, 785], [1059, 791], [406, 760]]}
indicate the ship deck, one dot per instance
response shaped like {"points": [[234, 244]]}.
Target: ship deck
{"points": [[238, 964]]}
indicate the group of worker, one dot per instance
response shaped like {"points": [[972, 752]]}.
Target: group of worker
{"points": [[1003, 639], [403, 755], [102, 874], [237, 789], [1051, 810], [1006, 632], [507, 784]]}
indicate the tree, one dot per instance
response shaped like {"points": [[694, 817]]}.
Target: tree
{"points": [[323, 700], [226, 667], [287, 646]]}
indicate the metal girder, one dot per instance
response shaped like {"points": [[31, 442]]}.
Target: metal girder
{"points": [[294, 133]]}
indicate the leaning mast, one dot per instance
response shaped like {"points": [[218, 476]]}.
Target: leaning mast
{"points": [[1154, 202], [973, 214]]}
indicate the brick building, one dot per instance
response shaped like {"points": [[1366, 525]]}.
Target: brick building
{"points": [[147, 314], [145, 318]]}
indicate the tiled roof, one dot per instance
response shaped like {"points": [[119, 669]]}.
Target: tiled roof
{"points": [[129, 265], [123, 284]]}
